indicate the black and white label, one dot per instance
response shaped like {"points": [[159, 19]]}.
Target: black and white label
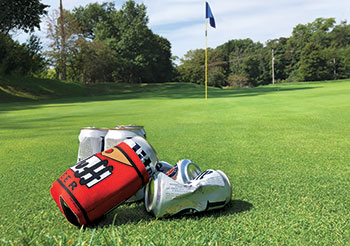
{"points": [[91, 171]]}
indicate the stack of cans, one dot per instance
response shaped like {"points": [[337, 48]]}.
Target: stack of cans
{"points": [[117, 165], [93, 140]]}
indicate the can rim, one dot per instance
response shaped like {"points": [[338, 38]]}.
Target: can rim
{"points": [[150, 203], [94, 128], [123, 129], [187, 174], [127, 127], [227, 180]]}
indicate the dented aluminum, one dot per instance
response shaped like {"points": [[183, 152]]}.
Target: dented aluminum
{"points": [[184, 171], [165, 196]]}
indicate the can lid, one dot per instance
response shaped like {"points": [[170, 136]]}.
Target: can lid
{"points": [[226, 179], [127, 127], [94, 128], [150, 194]]}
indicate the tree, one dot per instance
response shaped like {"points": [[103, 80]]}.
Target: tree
{"points": [[160, 67], [316, 32], [237, 81], [191, 68], [23, 59], [132, 43], [314, 64], [34, 49], [71, 37], [252, 69], [140, 55], [88, 17], [20, 14], [216, 77], [95, 62], [234, 51], [118, 43]]}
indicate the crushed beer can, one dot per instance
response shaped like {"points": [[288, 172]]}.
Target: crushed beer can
{"points": [[103, 181], [165, 196], [91, 141]]}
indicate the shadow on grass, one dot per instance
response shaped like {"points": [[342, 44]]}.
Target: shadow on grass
{"points": [[99, 92], [136, 213]]}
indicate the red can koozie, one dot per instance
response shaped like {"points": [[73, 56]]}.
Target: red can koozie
{"points": [[102, 181]]}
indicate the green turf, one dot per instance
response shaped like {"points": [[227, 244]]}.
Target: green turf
{"points": [[285, 149]]}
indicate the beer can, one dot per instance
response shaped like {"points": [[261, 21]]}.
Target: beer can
{"points": [[117, 135], [184, 171], [165, 196], [99, 183], [91, 141]]}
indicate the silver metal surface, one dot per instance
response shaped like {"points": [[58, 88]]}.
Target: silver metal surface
{"points": [[165, 196], [145, 151], [117, 135], [187, 171], [149, 158], [91, 141]]}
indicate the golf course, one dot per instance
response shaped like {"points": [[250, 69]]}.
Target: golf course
{"points": [[284, 147]]}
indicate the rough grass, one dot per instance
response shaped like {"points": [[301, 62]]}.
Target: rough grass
{"points": [[285, 149]]}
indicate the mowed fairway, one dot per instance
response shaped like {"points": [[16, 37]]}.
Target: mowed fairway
{"points": [[285, 148]]}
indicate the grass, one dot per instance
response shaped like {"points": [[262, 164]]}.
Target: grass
{"points": [[285, 149]]}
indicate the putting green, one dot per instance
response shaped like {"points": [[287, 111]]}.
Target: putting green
{"points": [[285, 149]]}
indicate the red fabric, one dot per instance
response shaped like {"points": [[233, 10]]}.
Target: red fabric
{"points": [[121, 184]]}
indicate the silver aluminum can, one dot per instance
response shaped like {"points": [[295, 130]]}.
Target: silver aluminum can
{"points": [[153, 158], [117, 135], [91, 141], [165, 196]]}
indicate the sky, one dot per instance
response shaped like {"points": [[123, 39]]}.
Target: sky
{"points": [[182, 22]]}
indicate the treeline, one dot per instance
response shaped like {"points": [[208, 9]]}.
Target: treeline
{"points": [[316, 51], [100, 43], [95, 43]]}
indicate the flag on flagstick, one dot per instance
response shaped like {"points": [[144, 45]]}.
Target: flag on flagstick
{"points": [[208, 15]]}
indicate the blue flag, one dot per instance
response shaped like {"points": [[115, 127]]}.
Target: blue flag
{"points": [[209, 14]]}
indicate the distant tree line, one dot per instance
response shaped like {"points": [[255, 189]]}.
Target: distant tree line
{"points": [[316, 51], [99, 43]]}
